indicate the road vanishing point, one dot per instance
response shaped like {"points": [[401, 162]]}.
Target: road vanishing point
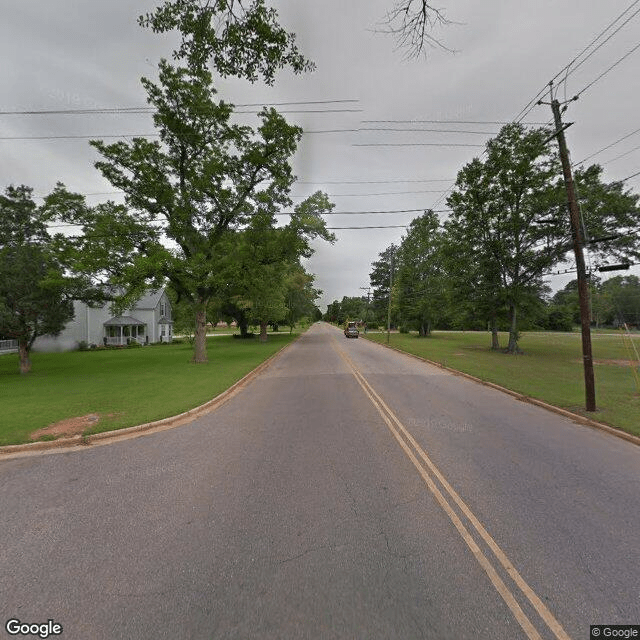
{"points": [[347, 491]]}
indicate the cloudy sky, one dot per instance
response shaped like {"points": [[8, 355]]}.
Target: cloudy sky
{"points": [[436, 112]]}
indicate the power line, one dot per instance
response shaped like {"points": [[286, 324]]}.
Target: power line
{"points": [[375, 181], [392, 226], [606, 71], [609, 145], [367, 195], [331, 195], [416, 144], [313, 131], [82, 137], [449, 121], [633, 175], [483, 133], [134, 110], [534, 101], [622, 155], [131, 135], [574, 69], [289, 213]]}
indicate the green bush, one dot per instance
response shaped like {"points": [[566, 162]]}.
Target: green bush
{"points": [[559, 319]]}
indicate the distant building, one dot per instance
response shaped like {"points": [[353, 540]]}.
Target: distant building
{"points": [[148, 321]]}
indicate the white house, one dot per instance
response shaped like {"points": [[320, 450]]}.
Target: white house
{"points": [[148, 321]]}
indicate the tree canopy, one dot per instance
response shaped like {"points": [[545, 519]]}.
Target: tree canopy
{"points": [[37, 288], [202, 201], [508, 228], [241, 38], [420, 276]]}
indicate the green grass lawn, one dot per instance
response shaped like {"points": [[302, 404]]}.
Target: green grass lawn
{"points": [[124, 387], [550, 368]]}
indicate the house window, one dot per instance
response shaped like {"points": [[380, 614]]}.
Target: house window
{"points": [[163, 308]]}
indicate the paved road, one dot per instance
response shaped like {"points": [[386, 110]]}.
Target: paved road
{"points": [[347, 492]]}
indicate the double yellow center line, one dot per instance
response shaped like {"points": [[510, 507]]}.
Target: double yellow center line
{"points": [[429, 472]]}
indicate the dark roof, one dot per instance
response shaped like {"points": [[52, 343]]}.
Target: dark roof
{"points": [[150, 299], [120, 321]]}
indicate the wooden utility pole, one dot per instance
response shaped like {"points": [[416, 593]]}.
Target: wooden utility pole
{"points": [[368, 289], [578, 243], [389, 307]]}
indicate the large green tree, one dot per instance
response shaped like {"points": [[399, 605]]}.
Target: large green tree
{"points": [[421, 279], [300, 296], [497, 206], [618, 301], [473, 273], [37, 288], [509, 224], [380, 279], [258, 268], [610, 214], [241, 38], [207, 179]]}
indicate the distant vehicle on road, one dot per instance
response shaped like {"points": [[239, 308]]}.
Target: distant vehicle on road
{"points": [[351, 330]]}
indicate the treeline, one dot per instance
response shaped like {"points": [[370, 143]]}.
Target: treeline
{"points": [[485, 265]]}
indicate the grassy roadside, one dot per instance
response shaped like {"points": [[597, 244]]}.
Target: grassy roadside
{"points": [[123, 387], [550, 368]]}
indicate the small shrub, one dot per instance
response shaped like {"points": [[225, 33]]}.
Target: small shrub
{"points": [[83, 346]]}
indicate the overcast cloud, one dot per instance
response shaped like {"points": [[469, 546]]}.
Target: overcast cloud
{"points": [[70, 54]]}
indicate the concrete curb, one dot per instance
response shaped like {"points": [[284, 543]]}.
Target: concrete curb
{"points": [[107, 437], [575, 417]]}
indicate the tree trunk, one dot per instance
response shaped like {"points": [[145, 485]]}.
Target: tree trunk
{"points": [[263, 331], [513, 331], [495, 343], [244, 327], [423, 332], [200, 342], [25, 361]]}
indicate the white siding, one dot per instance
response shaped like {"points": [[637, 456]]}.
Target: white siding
{"points": [[88, 325]]}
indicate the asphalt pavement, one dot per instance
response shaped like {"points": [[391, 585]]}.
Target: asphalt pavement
{"points": [[348, 491]]}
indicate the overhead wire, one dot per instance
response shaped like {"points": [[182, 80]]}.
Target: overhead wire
{"points": [[595, 153], [606, 71], [633, 175], [571, 70], [622, 155], [394, 129], [415, 144], [134, 110], [534, 101], [289, 213], [448, 121], [374, 181], [391, 226], [367, 195], [131, 135]]}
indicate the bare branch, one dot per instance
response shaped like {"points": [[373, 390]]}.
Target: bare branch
{"points": [[412, 23]]}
